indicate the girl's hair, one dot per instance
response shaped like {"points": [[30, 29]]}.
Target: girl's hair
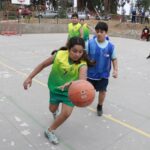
{"points": [[61, 48], [77, 41]]}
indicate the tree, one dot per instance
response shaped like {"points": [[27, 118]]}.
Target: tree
{"points": [[110, 6], [97, 4], [113, 6], [143, 3], [62, 8]]}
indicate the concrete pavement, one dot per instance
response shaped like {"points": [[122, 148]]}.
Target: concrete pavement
{"points": [[24, 115]]}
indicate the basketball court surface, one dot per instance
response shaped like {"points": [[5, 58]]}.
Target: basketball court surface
{"points": [[24, 115]]}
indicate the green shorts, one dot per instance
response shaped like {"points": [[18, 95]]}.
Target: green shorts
{"points": [[55, 99]]}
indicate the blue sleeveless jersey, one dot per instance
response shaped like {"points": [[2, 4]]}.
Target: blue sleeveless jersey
{"points": [[102, 56]]}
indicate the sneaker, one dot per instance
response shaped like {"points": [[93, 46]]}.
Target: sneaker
{"points": [[51, 137], [148, 57], [99, 110], [55, 114]]}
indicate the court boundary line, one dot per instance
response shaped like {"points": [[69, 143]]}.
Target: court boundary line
{"points": [[109, 117]]}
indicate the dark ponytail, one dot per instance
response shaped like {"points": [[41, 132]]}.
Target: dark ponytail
{"points": [[85, 57], [56, 50], [77, 41]]}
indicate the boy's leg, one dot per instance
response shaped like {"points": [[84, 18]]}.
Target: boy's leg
{"points": [[102, 95], [101, 98], [102, 86]]}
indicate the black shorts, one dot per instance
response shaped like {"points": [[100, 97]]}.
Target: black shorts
{"points": [[99, 85]]}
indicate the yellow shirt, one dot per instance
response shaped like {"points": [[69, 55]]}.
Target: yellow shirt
{"points": [[74, 30]]}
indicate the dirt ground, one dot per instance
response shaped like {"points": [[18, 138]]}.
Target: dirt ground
{"points": [[116, 28], [126, 29]]}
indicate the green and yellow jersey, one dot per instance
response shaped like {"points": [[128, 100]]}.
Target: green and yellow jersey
{"points": [[86, 31], [63, 71], [74, 30]]}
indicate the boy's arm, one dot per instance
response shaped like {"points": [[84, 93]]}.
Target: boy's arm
{"points": [[115, 68], [91, 29], [81, 32]]}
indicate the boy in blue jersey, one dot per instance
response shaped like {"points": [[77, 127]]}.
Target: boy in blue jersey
{"points": [[103, 53]]}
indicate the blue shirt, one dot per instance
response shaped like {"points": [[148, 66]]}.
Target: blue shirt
{"points": [[103, 45], [102, 53]]}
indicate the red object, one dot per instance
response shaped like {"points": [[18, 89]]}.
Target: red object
{"points": [[24, 11], [145, 34], [21, 1], [10, 28], [81, 93]]}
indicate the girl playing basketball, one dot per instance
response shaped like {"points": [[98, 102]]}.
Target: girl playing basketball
{"points": [[68, 65]]}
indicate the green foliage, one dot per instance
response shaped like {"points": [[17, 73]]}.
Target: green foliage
{"points": [[62, 12], [98, 4], [145, 4], [113, 7]]}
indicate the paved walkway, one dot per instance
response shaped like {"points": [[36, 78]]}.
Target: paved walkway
{"points": [[24, 115]]}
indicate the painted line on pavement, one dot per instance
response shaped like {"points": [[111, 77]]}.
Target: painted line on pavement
{"points": [[109, 117]]}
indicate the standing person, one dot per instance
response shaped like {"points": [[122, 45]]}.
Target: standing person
{"points": [[133, 19], [68, 65], [74, 27], [142, 16], [86, 30], [103, 52], [147, 16]]}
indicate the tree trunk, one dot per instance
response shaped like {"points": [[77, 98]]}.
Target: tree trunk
{"points": [[106, 6]]}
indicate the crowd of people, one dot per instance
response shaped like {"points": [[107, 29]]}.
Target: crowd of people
{"points": [[140, 16]]}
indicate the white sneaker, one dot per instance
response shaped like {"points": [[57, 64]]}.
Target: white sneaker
{"points": [[51, 137]]}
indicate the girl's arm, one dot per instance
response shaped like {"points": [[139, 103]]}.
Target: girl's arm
{"points": [[39, 68], [83, 73]]}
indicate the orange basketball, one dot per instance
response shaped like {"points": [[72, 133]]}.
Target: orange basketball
{"points": [[81, 93]]}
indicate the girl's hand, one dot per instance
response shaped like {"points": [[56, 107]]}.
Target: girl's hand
{"points": [[66, 85], [27, 83]]}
